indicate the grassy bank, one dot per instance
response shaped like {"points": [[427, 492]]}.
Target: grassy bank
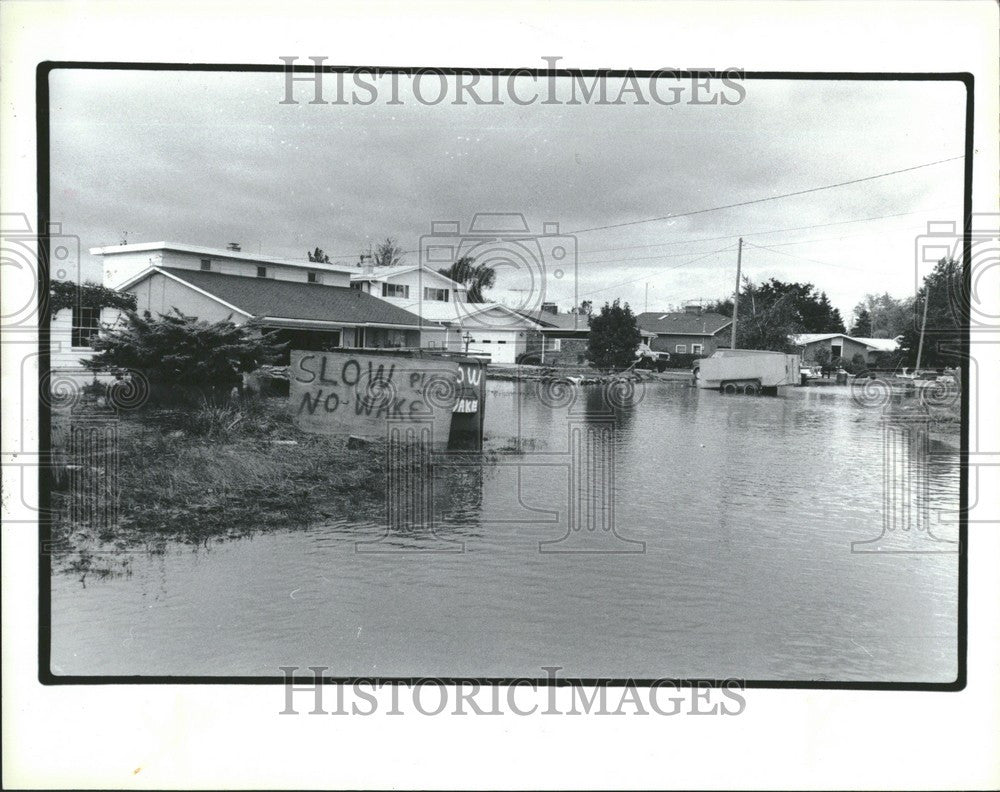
{"points": [[202, 474]]}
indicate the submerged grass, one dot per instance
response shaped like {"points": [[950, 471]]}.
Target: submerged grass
{"points": [[213, 471], [208, 471]]}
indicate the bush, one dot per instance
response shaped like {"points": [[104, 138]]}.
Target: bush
{"points": [[180, 352]]}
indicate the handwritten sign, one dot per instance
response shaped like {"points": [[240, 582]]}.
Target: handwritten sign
{"points": [[357, 394]]}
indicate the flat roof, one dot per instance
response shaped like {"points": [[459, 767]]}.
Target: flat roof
{"points": [[145, 247]]}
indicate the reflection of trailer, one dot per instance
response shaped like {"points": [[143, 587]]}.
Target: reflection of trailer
{"points": [[749, 371]]}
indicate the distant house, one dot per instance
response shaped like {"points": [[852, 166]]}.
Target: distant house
{"points": [[488, 330], [840, 345], [309, 304], [688, 332], [561, 338]]}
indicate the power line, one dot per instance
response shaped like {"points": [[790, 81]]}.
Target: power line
{"points": [[761, 233], [803, 258], [644, 277], [769, 197]]}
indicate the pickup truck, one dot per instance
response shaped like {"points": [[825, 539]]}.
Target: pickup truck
{"points": [[646, 358]]}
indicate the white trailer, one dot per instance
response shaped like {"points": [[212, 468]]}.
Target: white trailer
{"points": [[749, 371]]}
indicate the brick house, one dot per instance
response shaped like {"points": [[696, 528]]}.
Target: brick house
{"points": [[688, 332]]}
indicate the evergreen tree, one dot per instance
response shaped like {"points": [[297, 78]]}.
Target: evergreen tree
{"points": [[614, 337]]}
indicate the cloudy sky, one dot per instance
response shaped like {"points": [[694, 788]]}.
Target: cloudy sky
{"points": [[210, 158]]}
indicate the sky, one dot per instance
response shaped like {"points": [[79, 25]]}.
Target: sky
{"points": [[212, 158]]}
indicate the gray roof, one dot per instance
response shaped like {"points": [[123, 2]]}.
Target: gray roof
{"points": [[300, 301], [563, 321], [682, 323]]}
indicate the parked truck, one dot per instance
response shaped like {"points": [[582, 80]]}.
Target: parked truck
{"points": [[748, 371]]}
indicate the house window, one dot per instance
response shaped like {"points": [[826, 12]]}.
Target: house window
{"points": [[206, 265], [357, 286], [681, 349], [261, 272], [836, 350], [696, 349], [312, 277], [438, 295], [501, 342], [551, 344], [85, 324], [395, 290]]}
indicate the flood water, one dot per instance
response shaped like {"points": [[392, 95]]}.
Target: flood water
{"points": [[757, 525]]}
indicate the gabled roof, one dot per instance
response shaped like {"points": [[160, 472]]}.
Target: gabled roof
{"points": [[461, 313], [145, 247], [682, 323], [563, 321], [300, 302], [881, 344], [382, 274]]}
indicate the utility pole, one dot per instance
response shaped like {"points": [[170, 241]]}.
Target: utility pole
{"points": [[646, 307], [736, 296], [923, 327]]}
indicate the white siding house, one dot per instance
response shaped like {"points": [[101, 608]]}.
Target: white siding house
{"points": [[122, 263], [487, 330]]}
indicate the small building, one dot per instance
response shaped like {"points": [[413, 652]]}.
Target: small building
{"points": [[829, 346], [487, 330], [561, 339], [688, 332]]}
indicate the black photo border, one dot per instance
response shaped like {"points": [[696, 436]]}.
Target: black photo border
{"points": [[45, 675]]}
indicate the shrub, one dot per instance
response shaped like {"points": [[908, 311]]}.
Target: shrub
{"points": [[181, 352]]}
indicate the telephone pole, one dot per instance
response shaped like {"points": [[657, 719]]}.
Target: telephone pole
{"points": [[923, 327], [646, 307], [736, 296]]}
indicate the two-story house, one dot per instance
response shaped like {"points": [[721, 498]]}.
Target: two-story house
{"points": [[310, 304], [489, 330]]}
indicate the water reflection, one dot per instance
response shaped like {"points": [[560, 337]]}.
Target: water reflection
{"points": [[746, 509]]}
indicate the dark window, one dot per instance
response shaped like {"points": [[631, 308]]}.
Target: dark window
{"points": [[357, 285], [395, 290], [86, 323], [312, 277], [261, 272], [206, 265], [438, 295], [501, 342]]}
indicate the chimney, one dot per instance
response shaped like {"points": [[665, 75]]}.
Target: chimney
{"points": [[550, 307], [692, 309], [234, 246]]}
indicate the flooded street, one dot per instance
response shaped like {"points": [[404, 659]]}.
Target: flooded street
{"points": [[734, 521]]}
